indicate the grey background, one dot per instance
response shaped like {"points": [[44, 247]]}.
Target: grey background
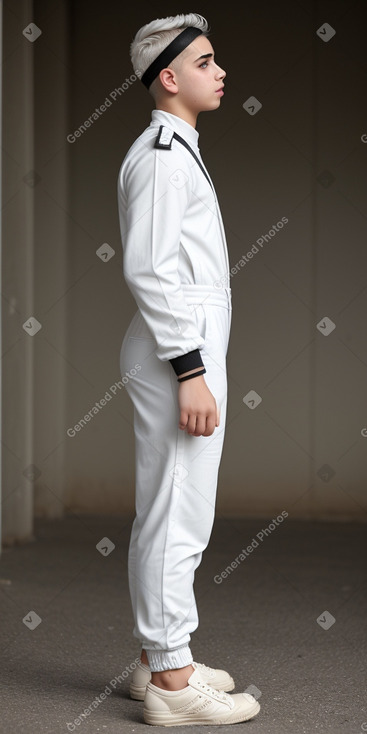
{"points": [[301, 156]]}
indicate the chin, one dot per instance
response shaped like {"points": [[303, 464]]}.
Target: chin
{"points": [[211, 105], [216, 104]]}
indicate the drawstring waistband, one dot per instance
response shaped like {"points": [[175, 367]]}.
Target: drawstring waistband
{"points": [[201, 294]]}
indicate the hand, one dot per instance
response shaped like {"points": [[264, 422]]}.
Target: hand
{"points": [[199, 414]]}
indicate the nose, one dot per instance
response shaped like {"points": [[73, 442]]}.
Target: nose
{"points": [[220, 73]]}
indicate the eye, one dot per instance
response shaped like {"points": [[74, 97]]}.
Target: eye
{"points": [[205, 63]]}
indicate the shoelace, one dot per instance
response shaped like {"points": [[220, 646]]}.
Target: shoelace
{"points": [[219, 695]]}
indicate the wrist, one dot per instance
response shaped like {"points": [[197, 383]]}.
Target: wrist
{"points": [[192, 374]]}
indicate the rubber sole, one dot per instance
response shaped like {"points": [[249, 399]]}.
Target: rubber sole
{"points": [[137, 692], [162, 719]]}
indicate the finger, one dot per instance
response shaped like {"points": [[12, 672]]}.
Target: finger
{"points": [[210, 425], [184, 416], [200, 425], [191, 424]]}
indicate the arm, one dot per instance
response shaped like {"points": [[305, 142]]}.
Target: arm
{"points": [[155, 209]]}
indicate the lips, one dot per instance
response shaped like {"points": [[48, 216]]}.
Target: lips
{"points": [[220, 89]]}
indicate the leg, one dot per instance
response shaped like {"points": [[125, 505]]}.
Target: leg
{"points": [[171, 680], [176, 481]]}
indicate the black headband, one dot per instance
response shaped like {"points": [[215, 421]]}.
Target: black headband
{"points": [[169, 53]]}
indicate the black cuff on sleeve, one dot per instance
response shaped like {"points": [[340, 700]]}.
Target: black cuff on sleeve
{"points": [[186, 362]]}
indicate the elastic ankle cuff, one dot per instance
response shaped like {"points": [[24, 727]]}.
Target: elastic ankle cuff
{"points": [[168, 659]]}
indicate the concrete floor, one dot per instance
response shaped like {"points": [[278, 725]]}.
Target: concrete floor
{"points": [[259, 623]]}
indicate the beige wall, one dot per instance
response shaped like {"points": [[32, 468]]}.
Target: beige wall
{"points": [[301, 158]]}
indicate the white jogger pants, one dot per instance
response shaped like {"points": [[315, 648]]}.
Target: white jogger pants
{"points": [[175, 480]]}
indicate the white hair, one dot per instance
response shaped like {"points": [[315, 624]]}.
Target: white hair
{"points": [[152, 38]]}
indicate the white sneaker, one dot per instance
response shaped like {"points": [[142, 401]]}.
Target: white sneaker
{"points": [[141, 676], [197, 703]]}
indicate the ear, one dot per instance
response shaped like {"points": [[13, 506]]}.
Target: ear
{"points": [[168, 79]]}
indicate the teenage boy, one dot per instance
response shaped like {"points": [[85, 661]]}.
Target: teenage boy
{"points": [[175, 263]]}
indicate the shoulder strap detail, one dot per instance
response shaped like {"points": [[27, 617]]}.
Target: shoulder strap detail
{"points": [[164, 138]]}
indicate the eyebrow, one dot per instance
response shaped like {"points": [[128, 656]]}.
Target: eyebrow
{"points": [[204, 56]]}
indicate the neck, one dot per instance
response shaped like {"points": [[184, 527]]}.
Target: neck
{"points": [[178, 110]]}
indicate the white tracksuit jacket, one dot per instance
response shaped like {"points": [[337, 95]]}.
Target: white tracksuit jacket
{"points": [[172, 233]]}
